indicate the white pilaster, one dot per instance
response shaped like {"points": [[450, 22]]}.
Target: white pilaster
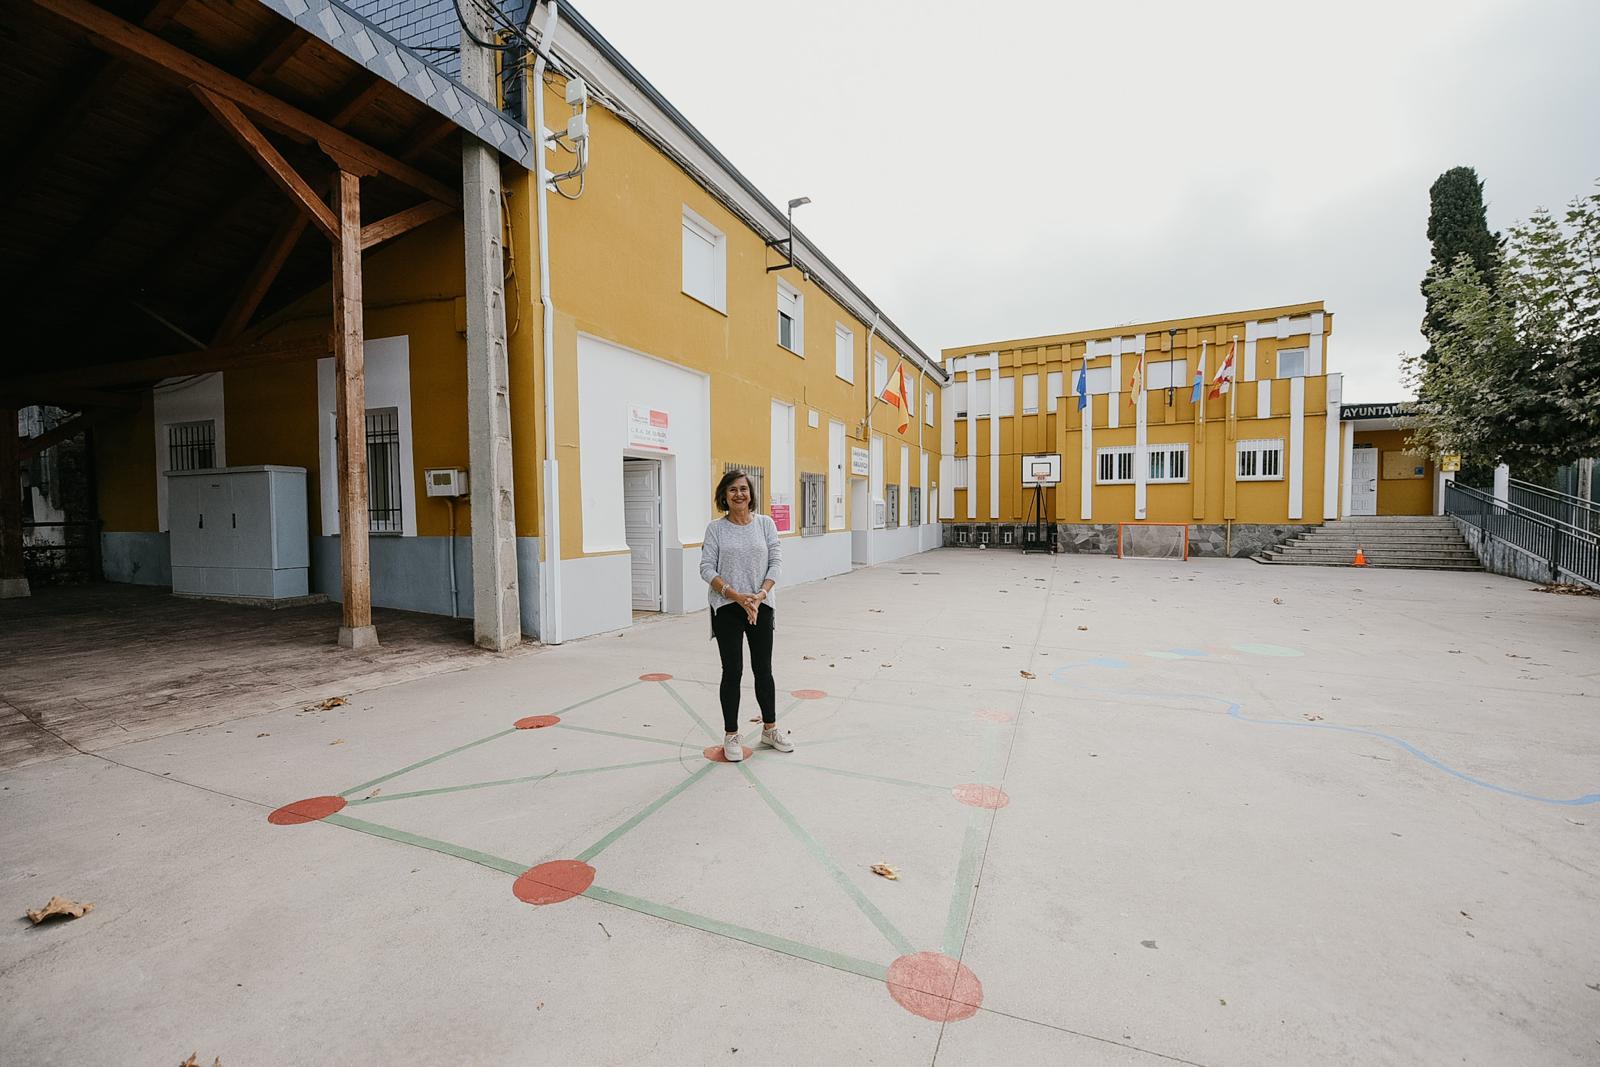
{"points": [[994, 435], [1297, 447], [1348, 431], [1141, 461], [1330, 449]]}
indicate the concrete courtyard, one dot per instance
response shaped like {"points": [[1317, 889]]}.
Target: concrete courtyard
{"points": [[1142, 812]]}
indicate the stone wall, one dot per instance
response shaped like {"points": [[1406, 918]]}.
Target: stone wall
{"points": [[1100, 538], [1501, 557]]}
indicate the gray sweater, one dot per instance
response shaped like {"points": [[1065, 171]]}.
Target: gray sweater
{"points": [[745, 556]]}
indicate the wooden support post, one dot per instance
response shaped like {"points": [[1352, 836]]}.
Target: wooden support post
{"points": [[13, 582], [350, 392]]}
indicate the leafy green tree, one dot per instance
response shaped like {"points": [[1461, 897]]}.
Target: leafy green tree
{"points": [[1457, 226], [1514, 373]]}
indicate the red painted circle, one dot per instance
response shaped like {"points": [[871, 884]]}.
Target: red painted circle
{"points": [[553, 882], [309, 810], [655, 677], [808, 694], [934, 986], [716, 755], [537, 722], [981, 796], [988, 715]]}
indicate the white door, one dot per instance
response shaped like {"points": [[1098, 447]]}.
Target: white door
{"points": [[1364, 481], [641, 514]]}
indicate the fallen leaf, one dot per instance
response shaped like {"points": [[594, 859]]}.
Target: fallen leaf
{"points": [[808, 657], [1027, 674], [1277, 600], [328, 705], [1313, 718], [59, 908], [1464, 915], [263, 735], [1148, 944], [338, 742], [372, 794], [886, 664], [1083, 627], [878, 610], [883, 870], [1222, 1001]]}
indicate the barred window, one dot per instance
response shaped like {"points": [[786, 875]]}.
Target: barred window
{"points": [[891, 505], [1169, 463], [1260, 461], [916, 505], [755, 474], [192, 446], [383, 471], [1115, 466], [813, 496]]}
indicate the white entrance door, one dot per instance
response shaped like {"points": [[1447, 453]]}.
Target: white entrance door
{"points": [[1364, 481], [641, 512]]}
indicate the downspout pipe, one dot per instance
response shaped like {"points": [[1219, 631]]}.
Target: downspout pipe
{"points": [[550, 563]]}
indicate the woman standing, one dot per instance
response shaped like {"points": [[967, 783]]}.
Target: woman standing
{"points": [[740, 559]]}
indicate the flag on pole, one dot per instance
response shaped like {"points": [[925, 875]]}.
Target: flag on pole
{"points": [[1083, 386], [1199, 376], [1223, 382], [897, 396], [1136, 381]]}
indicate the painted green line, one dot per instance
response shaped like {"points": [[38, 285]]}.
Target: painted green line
{"points": [[423, 763], [591, 700], [614, 733], [741, 933], [786, 762], [966, 875], [870, 910], [971, 847], [695, 715], [607, 841], [510, 781], [431, 844]]}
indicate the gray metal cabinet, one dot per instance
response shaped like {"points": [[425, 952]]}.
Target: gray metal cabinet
{"points": [[239, 532]]}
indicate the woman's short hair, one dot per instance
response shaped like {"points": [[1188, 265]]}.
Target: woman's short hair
{"points": [[727, 480]]}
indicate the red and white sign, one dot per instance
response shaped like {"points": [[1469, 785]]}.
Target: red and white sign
{"points": [[780, 517], [647, 428]]}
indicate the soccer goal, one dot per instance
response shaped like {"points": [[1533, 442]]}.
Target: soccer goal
{"points": [[1153, 540]]}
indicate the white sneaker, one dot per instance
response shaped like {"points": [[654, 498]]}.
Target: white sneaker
{"points": [[778, 740], [732, 748]]}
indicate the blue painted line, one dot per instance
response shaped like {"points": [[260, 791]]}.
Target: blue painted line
{"points": [[1236, 711]]}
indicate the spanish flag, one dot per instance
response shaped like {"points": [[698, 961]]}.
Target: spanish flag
{"points": [[897, 396]]}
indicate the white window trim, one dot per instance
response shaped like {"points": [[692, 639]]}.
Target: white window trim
{"points": [[717, 300], [1182, 449], [799, 298], [1305, 359], [843, 333], [1030, 408], [1261, 446], [1114, 450]]}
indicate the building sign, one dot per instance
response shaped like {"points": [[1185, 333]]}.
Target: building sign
{"points": [[1376, 411], [647, 428], [860, 461], [781, 516], [1450, 463]]}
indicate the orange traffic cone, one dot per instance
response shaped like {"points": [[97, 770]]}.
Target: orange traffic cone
{"points": [[1361, 558]]}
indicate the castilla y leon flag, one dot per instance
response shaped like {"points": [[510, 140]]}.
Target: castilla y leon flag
{"points": [[897, 396], [1223, 382]]}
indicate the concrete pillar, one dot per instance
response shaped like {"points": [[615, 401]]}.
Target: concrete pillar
{"points": [[496, 609], [13, 582], [1502, 484], [1441, 484]]}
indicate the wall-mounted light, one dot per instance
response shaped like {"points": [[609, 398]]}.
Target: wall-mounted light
{"points": [[787, 242]]}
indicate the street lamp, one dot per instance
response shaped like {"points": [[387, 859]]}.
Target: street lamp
{"points": [[787, 243]]}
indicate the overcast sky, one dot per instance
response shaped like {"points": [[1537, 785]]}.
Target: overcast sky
{"points": [[995, 170]]}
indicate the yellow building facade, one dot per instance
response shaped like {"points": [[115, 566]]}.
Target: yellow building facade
{"points": [[1240, 470], [676, 353]]}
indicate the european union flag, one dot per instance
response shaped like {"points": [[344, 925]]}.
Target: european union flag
{"points": [[1083, 387]]}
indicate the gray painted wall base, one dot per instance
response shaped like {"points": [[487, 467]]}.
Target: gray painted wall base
{"points": [[413, 574], [1499, 557], [137, 558], [1100, 538]]}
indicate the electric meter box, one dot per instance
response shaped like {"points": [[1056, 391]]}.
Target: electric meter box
{"points": [[445, 481]]}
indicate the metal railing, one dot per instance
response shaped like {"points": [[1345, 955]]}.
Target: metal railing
{"points": [[61, 553], [1559, 507], [1570, 551]]}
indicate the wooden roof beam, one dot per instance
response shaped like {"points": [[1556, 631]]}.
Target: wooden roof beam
{"points": [[154, 369], [375, 233], [271, 160], [262, 275], [124, 39]]}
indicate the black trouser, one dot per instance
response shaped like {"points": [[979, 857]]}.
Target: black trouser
{"points": [[730, 625]]}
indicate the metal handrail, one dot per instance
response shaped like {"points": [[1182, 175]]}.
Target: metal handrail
{"points": [[1569, 550], [1561, 507]]}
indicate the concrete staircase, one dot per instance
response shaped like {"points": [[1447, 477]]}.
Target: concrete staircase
{"points": [[1420, 542]]}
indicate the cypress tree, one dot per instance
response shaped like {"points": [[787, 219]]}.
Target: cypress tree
{"points": [[1457, 224]]}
